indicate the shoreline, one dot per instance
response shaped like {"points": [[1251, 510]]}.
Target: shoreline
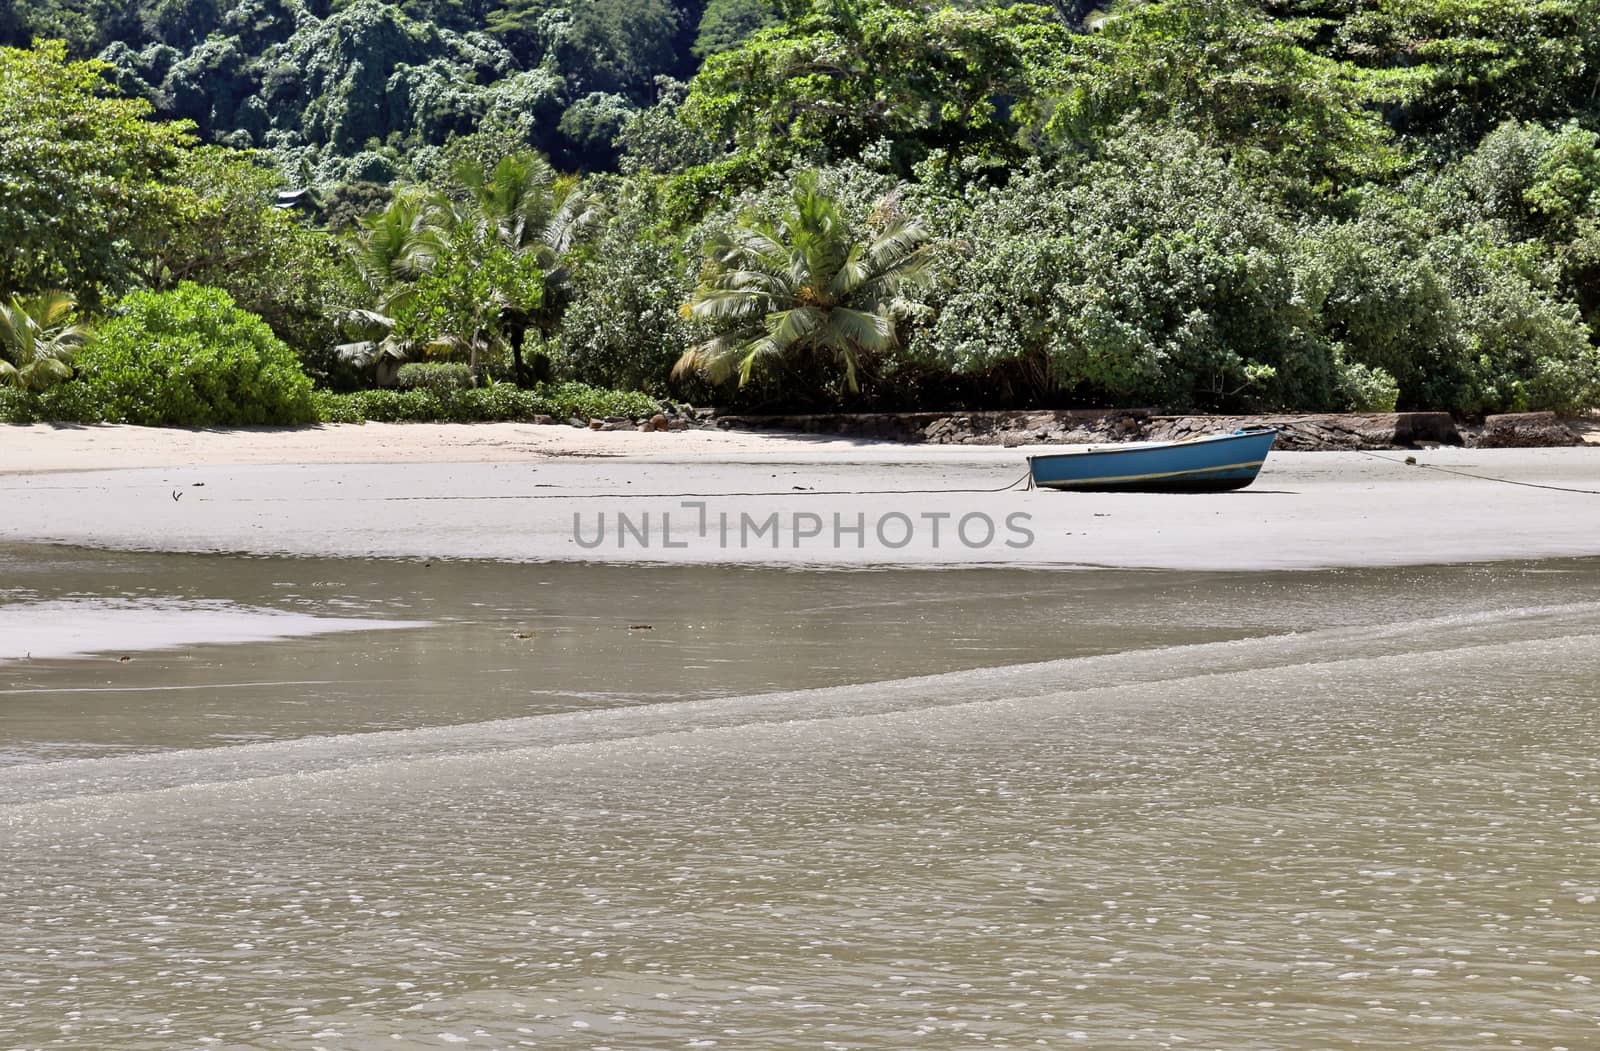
{"points": [[529, 493], [43, 447]]}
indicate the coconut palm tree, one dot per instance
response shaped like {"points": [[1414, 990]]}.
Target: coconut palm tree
{"points": [[529, 209], [389, 251], [530, 206], [803, 286], [399, 244], [38, 339]]}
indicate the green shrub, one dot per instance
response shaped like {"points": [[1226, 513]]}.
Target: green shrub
{"points": [[497, 401], [1368, 389], [1154, 276], [1523, 348], [18, 406], [69, 402], [191, 358], [434, 375], [1377, 294]]}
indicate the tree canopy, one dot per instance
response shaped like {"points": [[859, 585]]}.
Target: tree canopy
{"points": [[86, 179], [1208, 204]]}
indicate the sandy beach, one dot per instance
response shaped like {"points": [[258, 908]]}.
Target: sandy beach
{"points": [[531, 493]]}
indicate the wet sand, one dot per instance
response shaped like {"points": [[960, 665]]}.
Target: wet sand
{"points": [[1365, 821], [204, 651], [527, 493]]}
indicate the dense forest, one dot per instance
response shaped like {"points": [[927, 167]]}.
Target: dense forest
{"points": [[212, 207]]}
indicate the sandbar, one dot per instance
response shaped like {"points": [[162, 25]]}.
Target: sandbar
{"points": [[539, 493]]}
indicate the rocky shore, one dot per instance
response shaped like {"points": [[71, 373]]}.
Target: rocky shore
{"points": [[1346, 431]]}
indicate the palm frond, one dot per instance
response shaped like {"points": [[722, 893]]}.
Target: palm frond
{"points": [[39, 339], [366, 324], [15, 331], [572, 218], [788, 328], [754, 351], [813, 288], [871, 332], [715, 358], [898, 240], [732, 305], [401, 242], [53, 370], [912, 273], [52, 309], [754, 247], [853, 271]]}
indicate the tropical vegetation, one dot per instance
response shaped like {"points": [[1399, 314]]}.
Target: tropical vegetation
{"points": [[254, 211], [38, 339]]}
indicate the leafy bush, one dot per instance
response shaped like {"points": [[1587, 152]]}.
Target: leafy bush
{"points": [[623, 328], [1367, 389], [1154, 276], [1523, 349], [18, 406], [69, 402], [436, 376], [191, 358], [1379, 297], [1530, 182], [498, 401], [79, 192]]}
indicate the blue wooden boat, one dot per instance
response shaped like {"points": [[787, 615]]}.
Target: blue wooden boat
{"points": [[1211, 464]]}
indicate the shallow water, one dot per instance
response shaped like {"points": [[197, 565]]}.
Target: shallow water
{"points": [[884, 810]]}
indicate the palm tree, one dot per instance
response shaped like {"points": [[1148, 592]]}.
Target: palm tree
{"points": [[529, 205], [529, 209], [391, 249], [804, 286], [38, 340], [397, 245]]}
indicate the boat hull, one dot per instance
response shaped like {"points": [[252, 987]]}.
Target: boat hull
{"points": [[1206, 465]]}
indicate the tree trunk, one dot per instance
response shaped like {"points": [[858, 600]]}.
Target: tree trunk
{"points": [[516, 335]]}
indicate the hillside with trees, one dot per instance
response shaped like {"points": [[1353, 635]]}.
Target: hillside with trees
{"points": [[495, 207]]}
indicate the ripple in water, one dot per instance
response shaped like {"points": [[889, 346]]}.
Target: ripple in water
{"points": [[1370, 838]]}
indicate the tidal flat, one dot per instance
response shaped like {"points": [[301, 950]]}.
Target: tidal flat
{"points": [[364, 802]]}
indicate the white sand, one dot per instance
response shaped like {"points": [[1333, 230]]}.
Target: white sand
{"points": [[72, 447], [512, 491]]}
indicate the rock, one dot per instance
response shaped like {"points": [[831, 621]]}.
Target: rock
{"points": [[1525, 430], [1331, 431], [573, 421], [543, 420], [597, 424], [1381, 430], [678, 425], [645, 425]]}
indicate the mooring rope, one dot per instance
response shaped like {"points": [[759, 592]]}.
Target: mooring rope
{"points": [[1412, 461]]}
